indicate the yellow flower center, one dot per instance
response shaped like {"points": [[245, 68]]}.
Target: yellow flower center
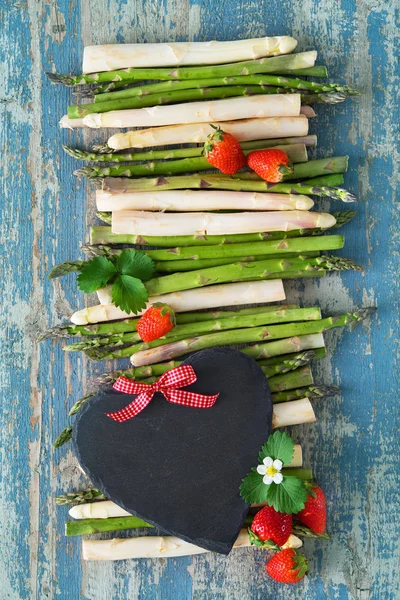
{"points": [[271, 471]]}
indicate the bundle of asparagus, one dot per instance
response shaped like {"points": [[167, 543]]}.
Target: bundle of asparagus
{"points": [[241, 68], [165, 202]]}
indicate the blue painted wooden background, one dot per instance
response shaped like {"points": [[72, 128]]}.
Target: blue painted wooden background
{"points": [[353, 448]]}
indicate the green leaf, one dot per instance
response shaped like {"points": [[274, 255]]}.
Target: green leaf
{"points": [[136, 264], [253, 490], [256, 541], [96, 274], [279, 446], [288, 496], [129, 294]]}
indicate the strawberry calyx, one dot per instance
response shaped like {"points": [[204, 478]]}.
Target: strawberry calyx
{"points": [[214, 137], [285, 169], [256, 541], [310, 487], [300, 562], [166, 310]]}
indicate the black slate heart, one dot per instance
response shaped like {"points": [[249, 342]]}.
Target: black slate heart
{"points": [[180, 468]]}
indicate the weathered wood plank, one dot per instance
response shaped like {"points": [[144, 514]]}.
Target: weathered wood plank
{"points": [[43, 221]]}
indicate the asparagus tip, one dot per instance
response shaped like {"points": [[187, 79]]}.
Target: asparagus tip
{"points": [[84, 93], [88, 172], [363, 313], [338, 193], [338, 263], [319, 391], [332, 97], [102, 149], [105, 379], [343, 217], [64, 437], [60, 79], [53, 332], [89, 249], [80, 497], [75, 152]]}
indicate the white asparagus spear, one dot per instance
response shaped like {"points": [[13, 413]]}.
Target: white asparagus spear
{"points": [[306, 112], [191, 200], [174, 299], [107, 509], [196, 133], [157, 547], [200, 223], [295, 412], [214, 296], [229, 109], [111, 57]]}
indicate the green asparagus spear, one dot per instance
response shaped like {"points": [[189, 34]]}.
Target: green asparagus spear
{"points": [[292, 245], [312, 391], [260, 80], [187, 152], [277, 248], [301, 377], [276, 64], [88, 526], [297, 153], [244, 272], [124, 325], [196, 94], [323, 185], [174, 266], [88, 90], [312, 168]]}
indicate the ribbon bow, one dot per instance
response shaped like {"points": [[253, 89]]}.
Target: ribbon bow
{"points": [[168, 384]]}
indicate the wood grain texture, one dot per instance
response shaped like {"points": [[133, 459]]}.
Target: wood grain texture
{"points": [[353, 446]]}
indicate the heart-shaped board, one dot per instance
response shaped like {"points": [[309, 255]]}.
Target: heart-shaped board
{"points": [[180, 468]]}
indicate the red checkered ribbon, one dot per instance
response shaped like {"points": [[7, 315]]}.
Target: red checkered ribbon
{"points": [[169, 385]]}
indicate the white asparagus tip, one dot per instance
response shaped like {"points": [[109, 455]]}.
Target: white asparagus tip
{"points": [[326, 220], [67, 123], [98, 510]]}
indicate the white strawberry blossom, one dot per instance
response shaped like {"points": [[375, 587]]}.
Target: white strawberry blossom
{"points": [[271, 470]]}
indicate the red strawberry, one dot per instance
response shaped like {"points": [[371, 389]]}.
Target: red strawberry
{"points": [[313, 514], [156, 322], [270, 165], [287, 566], [223, 151], [268, 524]]}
